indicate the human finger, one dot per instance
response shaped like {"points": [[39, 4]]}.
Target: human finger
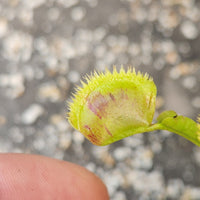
{"points": [[24, 176]]}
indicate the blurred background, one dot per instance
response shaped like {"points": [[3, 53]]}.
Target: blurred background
{"points": [[46, 46]]}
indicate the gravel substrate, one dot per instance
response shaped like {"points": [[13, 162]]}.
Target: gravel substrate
{"points": [[46, 46]]}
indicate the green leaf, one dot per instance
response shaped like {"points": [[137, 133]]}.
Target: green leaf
{"points": [[112, 106], [180, 125]]}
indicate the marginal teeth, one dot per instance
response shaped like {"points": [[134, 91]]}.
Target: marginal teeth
{"points": [[110, 104]]}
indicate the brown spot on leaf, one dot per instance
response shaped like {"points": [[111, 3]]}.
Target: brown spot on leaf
{"points": [[108, 131], [92, 137], [150, 100], [97, 104], [112, 96]]}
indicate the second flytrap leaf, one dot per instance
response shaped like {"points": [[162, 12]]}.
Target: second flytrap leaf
{"points": [[112, 106]]}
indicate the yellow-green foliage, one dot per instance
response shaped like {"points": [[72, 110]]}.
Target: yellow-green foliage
{"points": [[111, 106]]}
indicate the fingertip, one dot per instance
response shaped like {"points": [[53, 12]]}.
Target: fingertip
{"points": [[25, 176]]}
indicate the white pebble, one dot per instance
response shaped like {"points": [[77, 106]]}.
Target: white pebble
{"points": [[78, 13], [174, 73], [92, 3], [100, 51], [133, 142], [3, 27], [41, 45], [59, 122], [113, 179], [14, 84], [122, 153], [192, 192], [33, 4], [39, 144], [31, 114], [91, 167], [109, 58], [26, 16], [119, 195], [196, 102], [189, 30], [175, 188], [167, 46], [16, 135], [134, 49], [28, 72], [78, 138], [68, 3], [65, 140], [49, 92], [17, 46], [73, 76], [99, 33], [150, 182], [142, 158], [189, 82], [156, 147], [53, 14]]}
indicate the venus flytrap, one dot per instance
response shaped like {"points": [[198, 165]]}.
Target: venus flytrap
{"points": [[112, 106]]}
